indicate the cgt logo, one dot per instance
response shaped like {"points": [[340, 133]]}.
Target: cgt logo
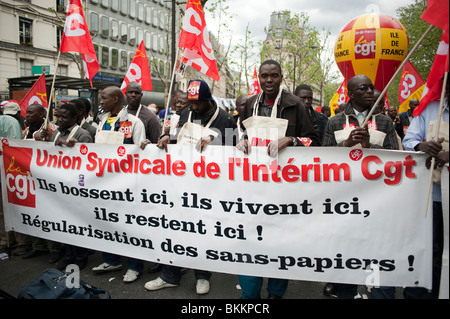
{"points": [[19, 183], [365, 44]]}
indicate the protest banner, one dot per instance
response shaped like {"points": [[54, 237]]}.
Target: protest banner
{"points": [[319, 214]]}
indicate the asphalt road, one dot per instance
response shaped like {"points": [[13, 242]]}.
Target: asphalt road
{"points": [[16, 272]]}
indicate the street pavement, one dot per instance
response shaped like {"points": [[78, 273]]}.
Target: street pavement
{"points": [[16, 272]]}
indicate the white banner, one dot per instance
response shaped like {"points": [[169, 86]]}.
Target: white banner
{"points": [[319, 214]]}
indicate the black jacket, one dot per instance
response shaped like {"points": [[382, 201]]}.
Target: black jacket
{"points": [[292, 109], [224, 124]]}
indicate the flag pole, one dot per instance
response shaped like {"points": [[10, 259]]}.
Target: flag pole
{"points": [[170, 88], [51, 91], [399, 69], [435, 136]]}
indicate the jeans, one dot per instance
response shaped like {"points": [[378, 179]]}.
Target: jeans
{"points": [[251, 286], [172, 274], [114, 260]]}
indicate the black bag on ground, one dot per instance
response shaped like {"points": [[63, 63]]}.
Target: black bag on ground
{"points": [[51, 284]]}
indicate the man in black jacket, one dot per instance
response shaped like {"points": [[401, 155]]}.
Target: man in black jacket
{"points": [[289, 107], [319, 121]]}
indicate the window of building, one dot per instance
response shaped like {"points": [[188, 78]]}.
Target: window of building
{"points": [[123, 60], [148, 15], [94, 27], [155, 42], [61, 5], [115, 5], [123, 32], [155, 18], [132, 39], [124, 7], [140, 11], [63, 70], [25, 31], [162, 44], [114, 58], [140, 36], [96, 51], [59, 34], [25, 67], [104, 27], [133, 9], [105, 57], [114, 29], [148, 40], [105, 3], [162, 21]]}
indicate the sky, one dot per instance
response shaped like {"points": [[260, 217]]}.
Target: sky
{"points": [[329, 14]]}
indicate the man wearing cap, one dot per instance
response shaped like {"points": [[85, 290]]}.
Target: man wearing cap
{"points": [[10, 128], [9, 122], [205, 112]]}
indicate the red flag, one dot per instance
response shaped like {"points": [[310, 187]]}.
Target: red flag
{"points": [[433, 87], [139, 70], [254, 85], [436, 13], [76, 38], [194, 38], [387, 104], [411, 86], [341, 96], [37, 94]]}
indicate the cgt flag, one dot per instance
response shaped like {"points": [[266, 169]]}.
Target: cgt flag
{"points": [[254, 85], [436, 13], [433, 87], [139, 70], [411, 86], [194, 38], [341, 96], [37, 94], [76, 38]]}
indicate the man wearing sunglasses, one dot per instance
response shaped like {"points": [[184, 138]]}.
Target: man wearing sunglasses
{"points": [[344, 129]]}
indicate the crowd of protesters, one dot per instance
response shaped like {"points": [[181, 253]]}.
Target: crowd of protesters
{"points": [[74, 122]]}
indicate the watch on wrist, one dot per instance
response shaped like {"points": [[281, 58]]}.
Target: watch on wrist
{"points": [[294, 141]]}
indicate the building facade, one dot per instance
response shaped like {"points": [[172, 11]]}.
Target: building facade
{"points": [[31, 32], [284, 43]]}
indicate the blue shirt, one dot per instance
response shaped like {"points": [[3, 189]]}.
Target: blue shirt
{"points": [[417, 133]]}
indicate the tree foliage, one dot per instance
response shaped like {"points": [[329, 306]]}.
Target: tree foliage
{"points": [[422, 59]]}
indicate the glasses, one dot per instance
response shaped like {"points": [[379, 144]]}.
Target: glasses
{"points": [[364, 87]]}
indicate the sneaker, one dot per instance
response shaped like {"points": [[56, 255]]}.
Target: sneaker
{"points": [[157, 284], [131, 275], [202, 286], [105, 267]]}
